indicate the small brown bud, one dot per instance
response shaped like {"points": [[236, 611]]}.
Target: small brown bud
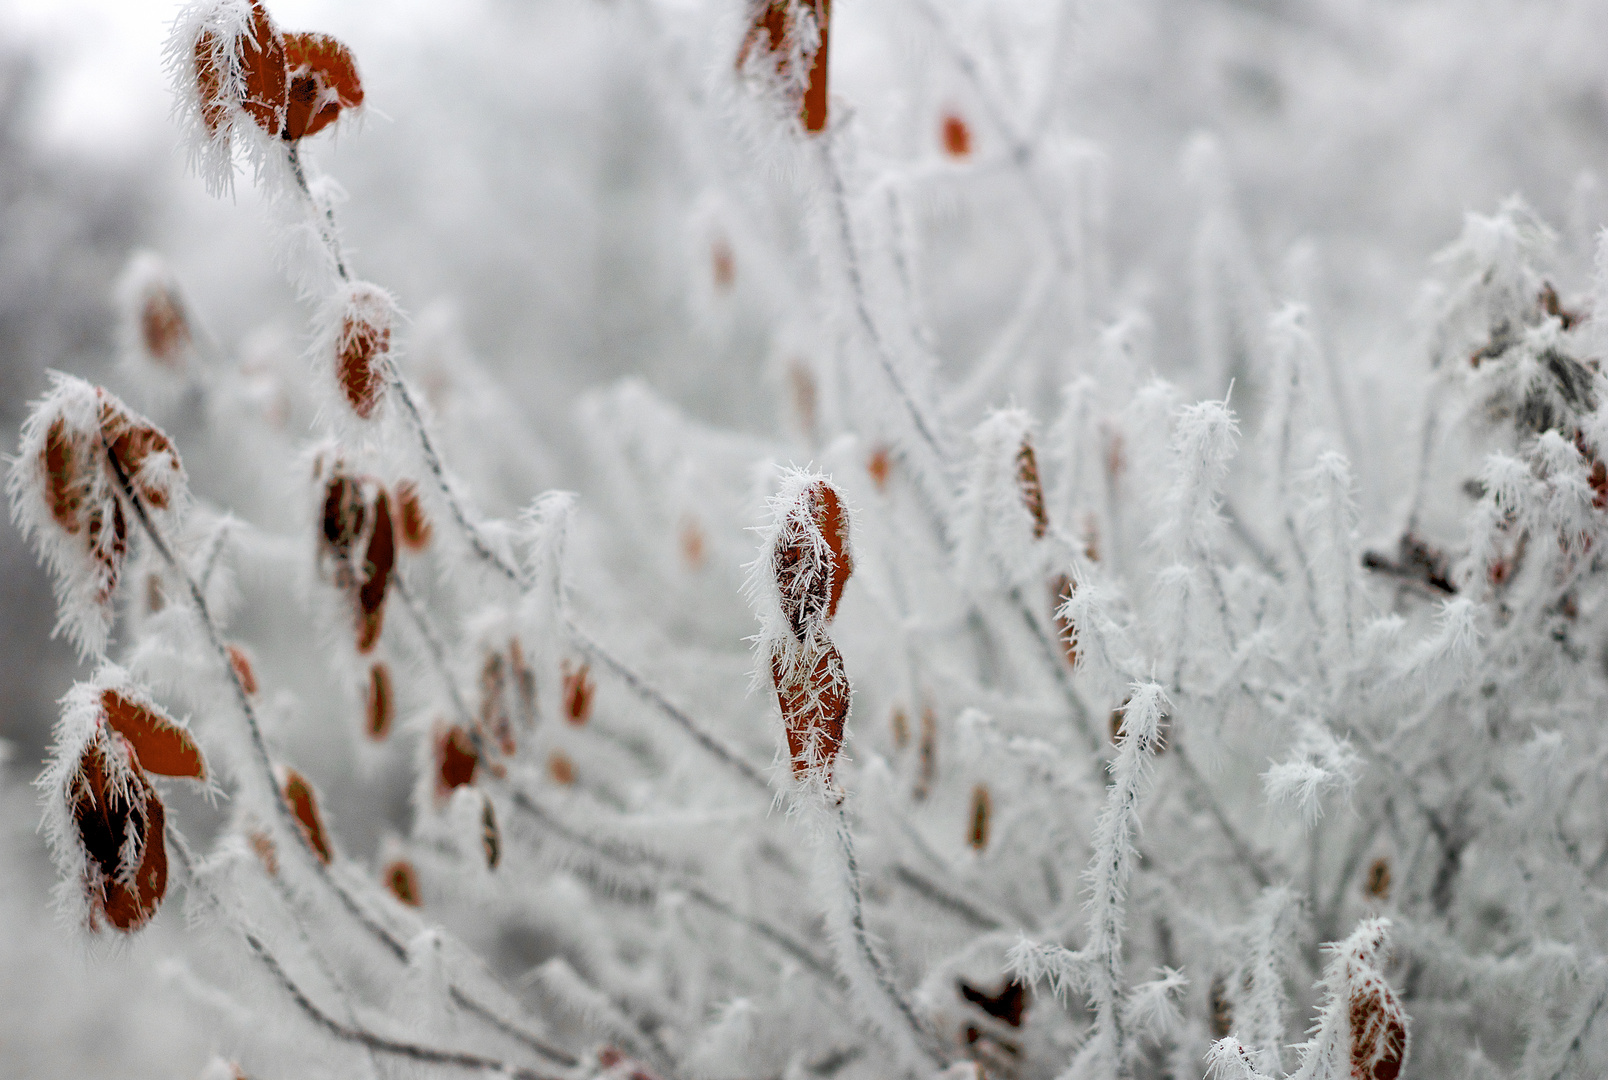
{"points": [[379, 705], [692, 544], [164, 331], [561, 768], [377, 565], [982, 808], [456, 761], [578, 691], [304, 805], [241, 663], [1032, 489], [880, 466], [901, 729], [1377, 882], [929, 755], [403, 882], [412, 523], [956, 136]]}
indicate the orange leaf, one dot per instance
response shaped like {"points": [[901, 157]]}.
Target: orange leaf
{"points": [[161, 745], [403, 882], [380, 707], [412, 521]]}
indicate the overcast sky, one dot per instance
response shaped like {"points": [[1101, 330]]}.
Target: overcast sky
{"points": [[102, 59]]}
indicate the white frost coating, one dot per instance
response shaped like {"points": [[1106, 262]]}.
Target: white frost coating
{"points": [[996, 533], [1319, 765], [1202, 448]]}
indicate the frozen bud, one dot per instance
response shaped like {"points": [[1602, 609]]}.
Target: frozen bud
{"points": [[356, 343], [1362, 1030], [692, 544], [375, 575], [813, 691], [456, 762], [403, 882], [982, 811], [810, 557], [955, 136], [1378, 1030], [561, 768], [901, 729], [880, 466], [413, 525], [1032, 489], [578, 691], [490, 837], [303, 803], [156, 325], [322, 81], [379, 703], [244, 673], [1377, 882]]}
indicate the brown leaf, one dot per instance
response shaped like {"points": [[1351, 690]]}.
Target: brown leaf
{"points": [[163, 328], [241, 663], [161, 746], [132, 440], [403, 882], [323, 81], [809, 587], [1032, 489], [956, 136], [455, 761], [772, 27], [267, 853], [561, 768], [380, 703], [262, 60], [413, 524], [111, 801], [344, 516], [1378, 1031], [578, 691], [66, 475], [360, 350], [377, 564], [304, 804]]}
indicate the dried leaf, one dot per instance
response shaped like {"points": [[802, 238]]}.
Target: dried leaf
{"points": [[412, 522], [377, 564], [379, 703], [578, 691], [162, 746], [323, 81], [455, 761], [304, 804], [956, 136], [813, 691], [1032, 489], [241, 663], [490, 838]]}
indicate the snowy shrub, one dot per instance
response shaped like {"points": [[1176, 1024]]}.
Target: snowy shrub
{"points": [[1024, 715]]}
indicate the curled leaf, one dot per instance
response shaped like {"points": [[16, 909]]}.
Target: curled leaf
{"points": [[323, 80]]}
